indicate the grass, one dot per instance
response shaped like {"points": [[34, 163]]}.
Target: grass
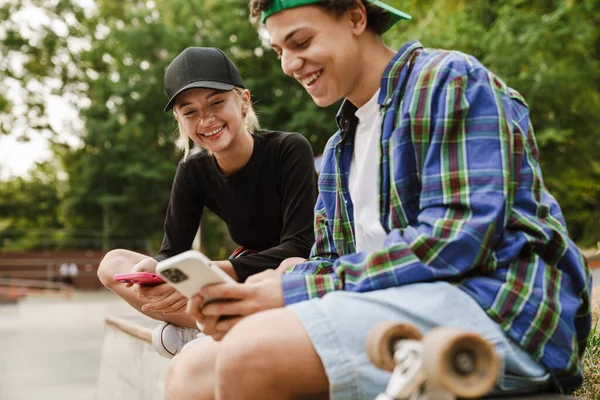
{"points": [[590, 390]]}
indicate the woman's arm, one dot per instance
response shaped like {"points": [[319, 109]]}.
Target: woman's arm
{"points": [[298, 190], [183, 214]]}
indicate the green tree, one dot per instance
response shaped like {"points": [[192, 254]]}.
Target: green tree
{"points": [[549, 51], [119, 179], [109, 61], [29, 209]]}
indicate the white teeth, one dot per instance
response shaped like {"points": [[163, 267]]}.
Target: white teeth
{"points": [[311, 78], [214, 132]]}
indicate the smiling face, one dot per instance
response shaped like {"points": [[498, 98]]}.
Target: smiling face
{"points": [[211, 118], [319, 49]]}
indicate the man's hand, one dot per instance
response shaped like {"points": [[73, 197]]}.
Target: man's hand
{"points": [[261, 292]]}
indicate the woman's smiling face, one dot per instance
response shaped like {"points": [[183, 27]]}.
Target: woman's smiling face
{"points": [[211, 118]]}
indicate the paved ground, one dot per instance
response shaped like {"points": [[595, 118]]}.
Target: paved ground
{"points": [[51, 347]]}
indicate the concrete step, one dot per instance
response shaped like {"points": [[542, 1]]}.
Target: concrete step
{"points": [[130, 369]]}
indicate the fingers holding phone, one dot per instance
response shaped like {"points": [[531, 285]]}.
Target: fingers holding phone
{"points": [[232, 302], [162, 298], [147, 265], [222, 302], [194, 309], [214, 326], [158, 297], [141, 278]]}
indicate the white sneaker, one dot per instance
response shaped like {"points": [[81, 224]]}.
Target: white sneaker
{"points": [[169, 339]]}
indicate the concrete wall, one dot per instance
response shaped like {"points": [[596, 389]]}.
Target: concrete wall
{"points": [[130, 369]]}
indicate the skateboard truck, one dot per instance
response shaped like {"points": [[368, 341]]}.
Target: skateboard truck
{"points": [[445, 364]]}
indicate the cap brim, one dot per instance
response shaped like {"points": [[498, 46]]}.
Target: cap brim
{"points": [[226, 87], [395, 14]]}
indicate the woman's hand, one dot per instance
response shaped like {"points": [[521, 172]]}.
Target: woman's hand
{"points": [[289, 263], [227, 267], [146, 265], [161, 298], [234, 301]]}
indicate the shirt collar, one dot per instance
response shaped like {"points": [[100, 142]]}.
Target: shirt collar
{"points": [[345, 117], [389, 80], [370, 107]]}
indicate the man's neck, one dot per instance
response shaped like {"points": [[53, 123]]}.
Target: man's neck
{"points": [[373, 60]]}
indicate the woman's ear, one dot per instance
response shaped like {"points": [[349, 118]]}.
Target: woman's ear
{"points": [[245, 97], [175, 115], [357, 17]]}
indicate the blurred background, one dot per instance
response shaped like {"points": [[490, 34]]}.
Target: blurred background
{"points": [[87, 155]]}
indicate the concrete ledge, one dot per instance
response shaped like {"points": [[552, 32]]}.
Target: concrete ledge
{"points": [[130, 369], [129, 327]]}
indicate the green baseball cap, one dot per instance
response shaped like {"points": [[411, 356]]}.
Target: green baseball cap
{"points": [[280, 5]]}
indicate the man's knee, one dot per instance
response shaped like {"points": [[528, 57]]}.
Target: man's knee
{"points": [[255, 356], [190, 373], [176, 373], [242, 349], [246, 353]]}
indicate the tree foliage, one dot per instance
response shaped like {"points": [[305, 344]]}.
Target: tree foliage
{"points": [[549, 51], [108, 61], [27, 204]]}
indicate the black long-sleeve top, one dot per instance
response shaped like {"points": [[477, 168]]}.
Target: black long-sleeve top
{"points": [[267, 205]]}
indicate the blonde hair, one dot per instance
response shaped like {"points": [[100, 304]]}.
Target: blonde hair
{"points": [[250, 122]]}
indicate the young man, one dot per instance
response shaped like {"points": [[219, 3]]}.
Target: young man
{"points": [[432, 211]]}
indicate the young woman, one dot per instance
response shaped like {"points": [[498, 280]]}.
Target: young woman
{"points": [[261, 183]]}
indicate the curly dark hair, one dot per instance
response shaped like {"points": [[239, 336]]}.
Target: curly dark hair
{"points": [[377, 19]]}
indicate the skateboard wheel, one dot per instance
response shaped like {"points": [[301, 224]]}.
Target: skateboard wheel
{"points": [[460, 362], [381, 340]]}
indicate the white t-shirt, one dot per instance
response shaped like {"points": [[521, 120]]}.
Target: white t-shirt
{"points": [[364, 177]]}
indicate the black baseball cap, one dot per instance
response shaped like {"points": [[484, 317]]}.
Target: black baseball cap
{"points": [[200, 67]]}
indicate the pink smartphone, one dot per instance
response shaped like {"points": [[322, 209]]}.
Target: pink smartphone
{"points": [[142, 278]]}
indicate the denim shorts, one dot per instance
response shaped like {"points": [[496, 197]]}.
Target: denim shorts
{"points": [[339, 322]]}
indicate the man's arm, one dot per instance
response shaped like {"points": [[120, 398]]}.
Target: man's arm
{"points": [[467, 181]]}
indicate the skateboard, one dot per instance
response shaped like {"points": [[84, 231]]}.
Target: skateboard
{"points": [[444, 364]]}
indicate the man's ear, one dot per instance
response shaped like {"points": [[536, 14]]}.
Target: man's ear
{"points": [[357, 16]]}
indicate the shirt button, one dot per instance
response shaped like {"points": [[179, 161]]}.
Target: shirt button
{"points": [[388, 101]]}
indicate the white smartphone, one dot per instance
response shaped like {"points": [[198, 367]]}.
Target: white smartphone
{"points": [[190, 271]]}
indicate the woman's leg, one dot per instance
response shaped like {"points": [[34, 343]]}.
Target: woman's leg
{"points": [[122, 261]]}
